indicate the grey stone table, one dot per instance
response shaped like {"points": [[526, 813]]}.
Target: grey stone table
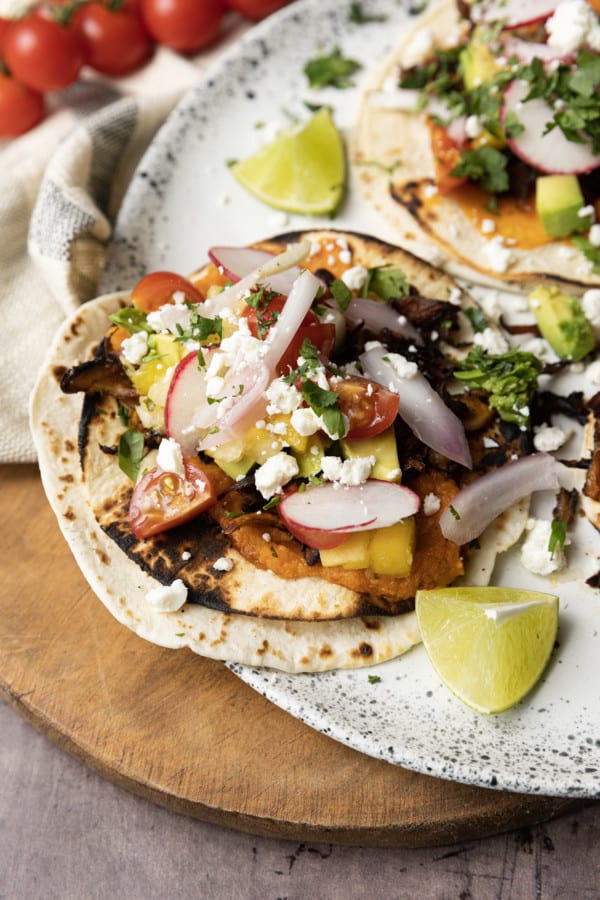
{"points": [[68, 834]]}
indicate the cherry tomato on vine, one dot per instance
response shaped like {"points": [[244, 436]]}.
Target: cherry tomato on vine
{"points": [[370, 407], [162, 500], [113, 35], [183, 25], [41, 52], [157, 288], [20, 107], [257, 9]]}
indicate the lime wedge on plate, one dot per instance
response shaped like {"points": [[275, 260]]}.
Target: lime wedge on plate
{"points": [[302, 171], [488, 645]]}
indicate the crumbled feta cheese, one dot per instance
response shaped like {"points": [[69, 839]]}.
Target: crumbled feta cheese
{"points": [[491, 341], [347, 471], [402, 366], [535, 555], [266, 536], [272, 475], [488, 226], [186, 555], [594, 235], [489, 442], [431, 504], [430, 190], [590, 303], [541, 348], [498, 256], [473, 126], [171, 317], [573, 25], [305, 421], [134, 348], [223, 564], [549, 437], [170, 457], [592, 372], [168, 597], [355, 278], [586, 211], [283, 398]]}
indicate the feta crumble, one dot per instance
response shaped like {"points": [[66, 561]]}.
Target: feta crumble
{"points": [[548, 438], [170, 457], [431, 504], [535, 555], [272, 475], [134, 348], [573, 25], [347, 471], [491, 341], [355, 278], [223, 564], [168, 597]]}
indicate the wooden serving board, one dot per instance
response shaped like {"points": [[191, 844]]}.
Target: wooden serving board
{"points": [[184, 732]]}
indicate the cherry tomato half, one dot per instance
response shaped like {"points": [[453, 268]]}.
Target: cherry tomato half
{"points": [[183, 25], [20, 107], [321, 334], [114, 37], [370, 407], [446, 155], [42, 53], [161, 500], [257, 9], [157, 288]]}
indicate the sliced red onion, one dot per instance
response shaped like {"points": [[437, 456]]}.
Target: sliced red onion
{"points": [[483, 500], [272, 267], [421, 407], [243, 393], [236, 262], [552, 152], [516, 13], [332, 508], [290, 318], [377, 316]]}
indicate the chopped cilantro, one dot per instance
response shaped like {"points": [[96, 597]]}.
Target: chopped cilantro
{"points": [[386, 282], [477, 318], [357, 16], [510, 379], [558, 535], [331, 70], [341, 294], [486, 165], [326, 405], [454, 512], [131, 319], [512, 126], [310, 355], [201, 329], [272, 503], [124, 414], [131, 451], [589, 251], [374, 679]]}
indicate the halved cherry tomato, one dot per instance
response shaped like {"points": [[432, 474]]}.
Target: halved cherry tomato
{"points": [[446, 155], [20, 107], [370, 407], [157, 289], [41, 52], [161, 500], [321, 334], [113, 35]]}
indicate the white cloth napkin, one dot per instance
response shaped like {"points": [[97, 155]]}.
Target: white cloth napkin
{"points": [[61, 186]]}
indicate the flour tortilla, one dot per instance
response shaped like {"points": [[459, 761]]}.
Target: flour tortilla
{"points": [[394, 165], [122, 586]]}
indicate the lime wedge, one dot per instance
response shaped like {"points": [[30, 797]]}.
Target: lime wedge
{"points": [[302, 171], [488, 645]]}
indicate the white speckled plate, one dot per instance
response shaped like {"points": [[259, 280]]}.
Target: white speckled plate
{"points": [[183, 199]]}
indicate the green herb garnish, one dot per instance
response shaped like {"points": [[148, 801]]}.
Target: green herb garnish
{"points": [[386, 282], [589, 251], [477, 318], [341, 294], [326, 405], [510, 379], [131, 452], [374, 679], [485, 165], [131, 319], [357, 16], [558, 535], [201, 329], [331, 70]]}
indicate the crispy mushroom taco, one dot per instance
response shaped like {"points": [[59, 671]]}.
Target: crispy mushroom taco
{"points": [[481, 132], [273, 455]]}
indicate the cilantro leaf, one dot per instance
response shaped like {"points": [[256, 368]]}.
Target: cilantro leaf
{"points": [[589, 251], [326, 405], [131, 451], [477, 318], [310, 355], [509, 378], [386, 282], [486, 165], [331, 70], [341, 294], [131, 319], [558, 535], [201, 328], [357, 16]]}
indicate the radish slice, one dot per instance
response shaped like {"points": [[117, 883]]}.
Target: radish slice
{"points": [[516, 13], [552, 152], [374, 504], [483, 500], [526, 51], [269, 269], [242, 403], [236, 262], [186, 393], [377, 316], [421, 407]]}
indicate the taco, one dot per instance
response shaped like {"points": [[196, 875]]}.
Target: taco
{"points": [[481, 133], [238, 478]]}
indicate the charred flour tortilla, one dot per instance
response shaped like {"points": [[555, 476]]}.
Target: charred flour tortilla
{"points": [[122, 584], [271, 578], [395, 168]]}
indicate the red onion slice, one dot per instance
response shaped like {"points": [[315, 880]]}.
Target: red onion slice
{"points": [[421, 407], [552, 152], [237, 262], [516, 13], [483, 500], [331, 508], [377, 316], [290, 318], [243, 393]]}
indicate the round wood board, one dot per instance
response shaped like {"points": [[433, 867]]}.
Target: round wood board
{"points": [[184, 732]]}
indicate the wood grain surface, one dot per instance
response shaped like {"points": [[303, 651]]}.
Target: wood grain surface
{"points": [[185, 733]]}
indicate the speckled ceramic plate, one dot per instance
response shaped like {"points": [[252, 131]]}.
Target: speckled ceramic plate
{"points": [[182, 199]]}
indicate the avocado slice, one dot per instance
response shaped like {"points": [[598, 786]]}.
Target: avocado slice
{"points": [[562, 322], [476, 62], [558, 201]]}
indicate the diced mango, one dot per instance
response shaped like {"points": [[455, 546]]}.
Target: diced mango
{"points": [[391, 549], [164, 352], [383, 447], [352, 553]]}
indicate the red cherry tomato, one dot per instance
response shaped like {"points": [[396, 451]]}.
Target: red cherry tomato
{"points": [[162, 500], [321, 334], [114, 37], [183, 25], [20, 107], [257, 9], [370, 407], [157, 288], [42, 53]]}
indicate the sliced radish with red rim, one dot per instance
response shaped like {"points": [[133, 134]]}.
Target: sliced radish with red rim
{"points": [[515, 13]]}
